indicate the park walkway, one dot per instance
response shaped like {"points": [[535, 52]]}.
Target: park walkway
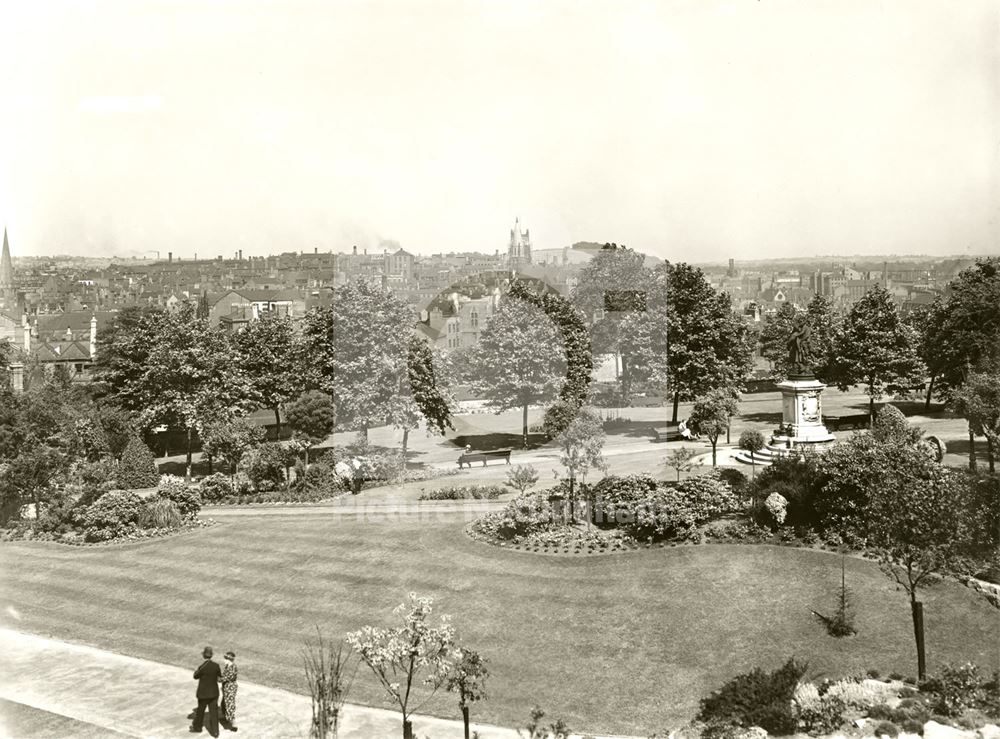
{"points": [[141, 698]]}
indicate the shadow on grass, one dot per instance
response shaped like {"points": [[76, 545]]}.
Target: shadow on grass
{"points": [[492, 442], [635, 429], [961, 446], [762, 417]]}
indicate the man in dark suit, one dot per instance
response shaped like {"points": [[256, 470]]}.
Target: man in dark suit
{"points": [[208, 694]]}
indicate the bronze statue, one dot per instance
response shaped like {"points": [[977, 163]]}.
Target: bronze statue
{"points": [[800, 347]]}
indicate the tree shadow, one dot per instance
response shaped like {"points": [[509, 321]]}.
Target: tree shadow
{"points": [[774, 417], [961, 446], [494, 441]]}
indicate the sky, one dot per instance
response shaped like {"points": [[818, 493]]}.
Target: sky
{"points": [[693, 131]]}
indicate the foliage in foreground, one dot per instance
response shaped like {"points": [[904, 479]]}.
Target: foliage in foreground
{"points": [[756, 698]]}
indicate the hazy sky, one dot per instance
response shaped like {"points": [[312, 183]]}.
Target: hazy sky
{"points": [[691, 130]]}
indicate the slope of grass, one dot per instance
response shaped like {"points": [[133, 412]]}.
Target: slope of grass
{"points": [[625, 643]]}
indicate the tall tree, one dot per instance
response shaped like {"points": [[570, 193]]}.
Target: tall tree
{"points": [[710, 416], [311, 417], [915, 531], [877, 349], [581, 444], [265, 351], [518, 361], [979, 401], [972, 326], [709, 346], [228, 439], [369, 355], [937, 348], [315, 353], [612, 288]]}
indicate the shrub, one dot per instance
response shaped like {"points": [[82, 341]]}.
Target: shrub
{"points": [[817, 714], [137, 468], [798, 478], [861, 695], [160, 513], [96, 478], [58, 515], [885, 728], [522, 477], [708, 496], [215, 488], [619, 492], [757, 698], [184, 496], [735, 479], [526, 514], [957, 688], [264, 467], [776, 506], [464, 492], [913, 726], [113, 515], [316, 477]]}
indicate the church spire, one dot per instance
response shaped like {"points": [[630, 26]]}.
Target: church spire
{"points": [[6, 267]]}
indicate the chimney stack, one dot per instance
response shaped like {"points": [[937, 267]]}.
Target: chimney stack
{"points": [[170, 257], [93, 336], [240, 255]]}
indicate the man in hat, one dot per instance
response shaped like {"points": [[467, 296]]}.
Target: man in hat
{"points": [[207, 675]]}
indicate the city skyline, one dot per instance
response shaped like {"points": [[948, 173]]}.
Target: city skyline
{"points": [[740, 129]]}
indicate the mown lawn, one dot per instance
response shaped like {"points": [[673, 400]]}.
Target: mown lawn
{"points": [[625, 643]]}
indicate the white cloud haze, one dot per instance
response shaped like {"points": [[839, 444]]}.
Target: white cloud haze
{"points": [[690, 130]]}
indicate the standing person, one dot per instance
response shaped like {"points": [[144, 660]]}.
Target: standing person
{"points": [[229, 686], [207, 675]]}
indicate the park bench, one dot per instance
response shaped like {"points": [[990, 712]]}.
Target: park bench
{"points": [[842, 423], [670, 432], [484, 457]]}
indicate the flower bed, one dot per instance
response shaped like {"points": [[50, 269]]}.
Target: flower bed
{"points": [[465, 492], [24, 532]]}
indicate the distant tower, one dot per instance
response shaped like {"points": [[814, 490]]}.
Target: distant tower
{"points": [[519, 248], [8, 290]]}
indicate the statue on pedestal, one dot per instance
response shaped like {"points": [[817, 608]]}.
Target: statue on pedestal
{"points": [[800, 348]]}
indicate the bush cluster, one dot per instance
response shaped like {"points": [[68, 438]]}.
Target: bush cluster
{"points": [[184, 496], [958, 688], [114, 515], [316, 478], [526, 514], [756, 698], [264, 467], [464, 492], [137, 468], [215, 488]]}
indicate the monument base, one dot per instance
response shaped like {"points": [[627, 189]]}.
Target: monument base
{"points": [[802, 415]]}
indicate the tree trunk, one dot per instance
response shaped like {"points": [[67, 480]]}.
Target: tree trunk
{"points": [[753, 465], [407, 729], [277, 424], [972, 449], [918, 632], [930, 390], [465, 720], [677, 402], [571, 499], [871, 412], [729, 423], [406, 440], [524, 426], [989, 454], [714, 441], [210, 461], [187, 474]]}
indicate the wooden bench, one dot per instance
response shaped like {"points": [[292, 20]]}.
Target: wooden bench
{"points": [[670, 432], [469, 457]]}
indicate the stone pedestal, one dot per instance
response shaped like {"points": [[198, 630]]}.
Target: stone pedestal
{"points": [[802, 413]]}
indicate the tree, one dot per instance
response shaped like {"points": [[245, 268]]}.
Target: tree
{"points": [[315, 355], [137, 468], [581, 445], [935, 347], [171, 368], [522, 477], [710, 416], [612, 288], [710, 347], [680, 460], [518, 361], [979, 401], [329, 673], [971, 331], [774, 339], [423, 373], [915, 532], [265, 351], [311, 418], [876, 348], [228, 439], [408, 656], [368, 371], [752, 441], [468, 679]]}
